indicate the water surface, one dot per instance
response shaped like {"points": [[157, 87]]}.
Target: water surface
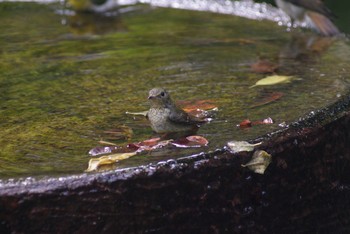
{"points": [[65, 79]]}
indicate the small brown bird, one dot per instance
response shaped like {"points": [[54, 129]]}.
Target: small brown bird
{"points": [[313, 12], [166, 117]]}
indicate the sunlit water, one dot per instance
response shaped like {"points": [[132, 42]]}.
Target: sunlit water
{"points": [[67, 78]]}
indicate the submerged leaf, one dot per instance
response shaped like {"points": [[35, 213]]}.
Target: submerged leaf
{"points": [[200, 108], [267, 99], [95, 163], [121, 132], [259, 162], [239, 146], [193, 105], [273, 80], [264, 66]]}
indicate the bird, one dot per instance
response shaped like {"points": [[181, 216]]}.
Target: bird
{"points": [[166, 117], [313, 12]]}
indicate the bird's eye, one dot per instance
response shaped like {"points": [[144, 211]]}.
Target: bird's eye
{"points": [[162, 94]]}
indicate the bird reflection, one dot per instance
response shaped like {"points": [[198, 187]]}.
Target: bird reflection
{"points": [[82, 23], [303, 48]]}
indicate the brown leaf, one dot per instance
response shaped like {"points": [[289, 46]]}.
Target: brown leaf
{"points": [[150, 142], [190, 141], [195, 105], [245, 124], [264, 121], [274, 96], [133, 146], [198, 139]]}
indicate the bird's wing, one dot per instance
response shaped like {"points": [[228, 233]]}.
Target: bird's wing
{"points": [[180, 116], [314, 5]]}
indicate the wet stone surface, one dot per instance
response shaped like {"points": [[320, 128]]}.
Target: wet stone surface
{"points": [[68, 80]]}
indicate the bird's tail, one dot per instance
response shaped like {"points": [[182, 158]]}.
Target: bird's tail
{"points": [[322, 24]]}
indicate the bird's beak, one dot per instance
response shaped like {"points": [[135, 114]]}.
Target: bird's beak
{"points": [[150, 97]]}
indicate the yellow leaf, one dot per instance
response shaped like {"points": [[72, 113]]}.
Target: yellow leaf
{"points": [[239, 146], [94, 163], [102, 142], [259, 162], [143, 113], [273, 80]]}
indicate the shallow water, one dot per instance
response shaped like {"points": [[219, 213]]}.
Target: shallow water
{"points": [[66, 79]]}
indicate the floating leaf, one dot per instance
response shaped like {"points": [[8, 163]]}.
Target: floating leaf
{"points": [[264, 121], [259, 162], [239, 146], [143, 113], [106, 143], [150, 142], [191, 141], [273, 80], [147, 145], [198, 139], [247, 123], [95, 163], [264, 66]]}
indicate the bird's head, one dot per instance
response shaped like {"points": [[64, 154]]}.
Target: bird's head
{"points": [[159, 97]]}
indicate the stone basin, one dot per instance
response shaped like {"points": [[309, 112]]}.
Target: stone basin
{"points": [[304, 190], [305, 184]]}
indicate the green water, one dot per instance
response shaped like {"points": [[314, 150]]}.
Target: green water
{"points": [[64, 80]]}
